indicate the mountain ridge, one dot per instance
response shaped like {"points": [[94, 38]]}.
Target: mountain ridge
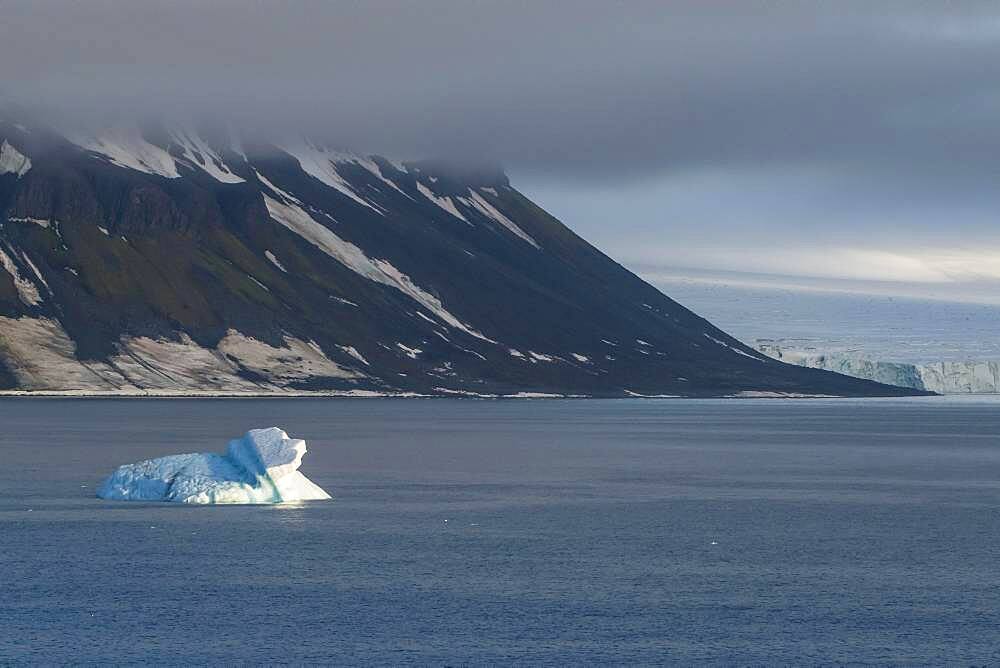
{"points": [[166, 260]]}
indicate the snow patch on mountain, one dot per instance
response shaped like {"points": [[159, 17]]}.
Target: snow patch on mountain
{"points": [[341, 300], [443, 202], [297, 220], [478, 202], [34, 269], [410, 352], [353, 352], [432, 303], [274, 260], [321, 164], [33, 221], [27, 291], [376, 171], [733, 348], [199, 154], [13, 161], [127, 148], [259, 284], [638, 395]]}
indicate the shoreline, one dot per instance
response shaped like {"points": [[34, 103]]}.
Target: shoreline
{"points": [[195, 394]]}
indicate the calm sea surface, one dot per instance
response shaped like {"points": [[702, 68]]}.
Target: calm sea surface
{"points": [[528, 532]]}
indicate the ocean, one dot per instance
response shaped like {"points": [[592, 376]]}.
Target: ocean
{"points": [[889, 328], [544, 532]]}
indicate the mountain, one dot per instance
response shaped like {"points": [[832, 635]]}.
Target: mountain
{"points": [[174, 260]]}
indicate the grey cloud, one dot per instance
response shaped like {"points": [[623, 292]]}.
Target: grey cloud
{"points": [[583, 87], [839, 114]]}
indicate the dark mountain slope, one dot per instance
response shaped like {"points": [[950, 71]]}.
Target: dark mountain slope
{"points": [[170, 262]]}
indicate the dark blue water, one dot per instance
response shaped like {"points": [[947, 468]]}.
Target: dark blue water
{"points": [[539, 532]]}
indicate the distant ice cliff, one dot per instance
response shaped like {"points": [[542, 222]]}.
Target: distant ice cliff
{"points": [[946, 377]]}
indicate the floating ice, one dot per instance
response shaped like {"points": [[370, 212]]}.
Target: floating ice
{"points": [[260, 467]]}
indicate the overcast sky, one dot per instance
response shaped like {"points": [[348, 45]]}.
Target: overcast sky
{"points": [[831, 139]]}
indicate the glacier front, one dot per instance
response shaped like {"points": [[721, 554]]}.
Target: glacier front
{"points": [[943, 377], [261, 467]]}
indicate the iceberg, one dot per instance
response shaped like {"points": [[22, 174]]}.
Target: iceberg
{"points": [[261, 467]]}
